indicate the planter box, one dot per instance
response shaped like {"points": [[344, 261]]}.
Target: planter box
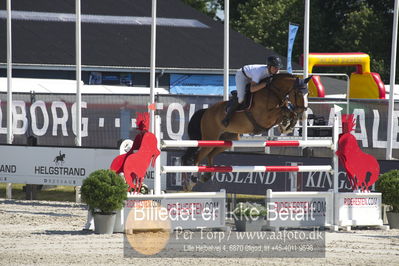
{"points": [[104, 223], [249, 224]]}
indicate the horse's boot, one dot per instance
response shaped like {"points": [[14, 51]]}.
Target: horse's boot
{"points": [[231, 109]]}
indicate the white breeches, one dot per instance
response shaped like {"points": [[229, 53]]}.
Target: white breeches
{"points": [[241, 83]]}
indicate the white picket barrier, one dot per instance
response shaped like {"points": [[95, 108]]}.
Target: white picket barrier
{"points": [[300, 209]]}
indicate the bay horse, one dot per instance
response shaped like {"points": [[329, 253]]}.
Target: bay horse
{"points": [[268, 109]]}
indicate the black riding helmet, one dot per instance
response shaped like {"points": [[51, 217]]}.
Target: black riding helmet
{"points": [[274, 61]]}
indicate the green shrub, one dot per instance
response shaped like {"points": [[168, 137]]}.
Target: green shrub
{"points": [[104, 190], [388, 185], [249, 209]]}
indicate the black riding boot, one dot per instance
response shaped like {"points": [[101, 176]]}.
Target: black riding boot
{"points": [[233, 107]]}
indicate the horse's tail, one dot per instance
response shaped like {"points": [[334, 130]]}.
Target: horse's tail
{"points": [[194, 133], [194, 126]]}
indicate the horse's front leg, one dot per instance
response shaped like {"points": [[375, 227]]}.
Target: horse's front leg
{"points": [[202, 154]]}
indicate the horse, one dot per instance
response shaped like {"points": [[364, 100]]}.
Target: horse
{"points": [[362, 169], [268, 108], [134, 165], [59, 158]]}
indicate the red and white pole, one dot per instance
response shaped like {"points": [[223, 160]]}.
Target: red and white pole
{"points": [[247, 169], [246, 143]]}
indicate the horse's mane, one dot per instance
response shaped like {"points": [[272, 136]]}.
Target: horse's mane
{"points": [[278, 76], [283, 75]]}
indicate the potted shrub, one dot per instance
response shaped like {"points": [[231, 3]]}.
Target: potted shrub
{"points": [[388, 185], [105, 192], [249, 216]]}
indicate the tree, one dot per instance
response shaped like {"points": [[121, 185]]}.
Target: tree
{"points": [[208, 7], [335, 26]]}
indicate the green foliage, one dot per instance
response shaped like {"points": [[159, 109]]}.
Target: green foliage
{"points": [[208, 7], [335, 26], [266, 22], [104, 190], [388, 185], [250, 209]]}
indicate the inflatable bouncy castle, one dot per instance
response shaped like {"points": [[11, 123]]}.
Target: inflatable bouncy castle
{"points": [[363, 83]]}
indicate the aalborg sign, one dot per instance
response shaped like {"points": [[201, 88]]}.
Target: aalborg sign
{"points": [[51, 165]]}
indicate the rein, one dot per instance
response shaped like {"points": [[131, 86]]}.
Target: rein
{"points": [[283, 101], [274, 89]]}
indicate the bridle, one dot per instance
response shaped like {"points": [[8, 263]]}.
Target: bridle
{"points": [[284, 98]]}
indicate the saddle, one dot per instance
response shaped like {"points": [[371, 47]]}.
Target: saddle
{"points": [[245, 105], [287, 111]]}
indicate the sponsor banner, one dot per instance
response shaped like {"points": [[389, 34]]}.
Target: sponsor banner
{"points": [[51, 165], [258, 183], [108, 118], [200, 84], [297, 211], [358, 209], [175, 212], [63, 166]]}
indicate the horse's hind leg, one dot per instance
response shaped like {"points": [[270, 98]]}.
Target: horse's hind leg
{"points": [[225, 136], [205, 151], [188, 157], [202, 154]]}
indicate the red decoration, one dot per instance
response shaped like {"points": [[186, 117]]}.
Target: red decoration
{"points": [[362, 169], [142, 121], [134, 165]]}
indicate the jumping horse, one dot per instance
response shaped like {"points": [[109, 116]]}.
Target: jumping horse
{"points": [[268, 108]]}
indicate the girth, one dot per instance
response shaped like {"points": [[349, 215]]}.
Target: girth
{"points": [[257, 128]]}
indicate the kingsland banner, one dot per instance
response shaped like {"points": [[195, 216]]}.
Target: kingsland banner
{"points": [[258, 183], [108, 118]]}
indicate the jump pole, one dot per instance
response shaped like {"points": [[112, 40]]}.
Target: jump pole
{"points": [[246, 143], [246, 169], [223, 169]]}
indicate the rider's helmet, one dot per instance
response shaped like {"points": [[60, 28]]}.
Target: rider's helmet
{"points": [[274, 61]]}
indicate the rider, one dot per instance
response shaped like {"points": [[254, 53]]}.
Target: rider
{"points": [[251, 74]]}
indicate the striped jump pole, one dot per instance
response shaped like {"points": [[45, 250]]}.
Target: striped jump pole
{"points": [[248, 169], [246, 143]]}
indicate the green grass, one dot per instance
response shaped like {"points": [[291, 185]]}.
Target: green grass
{"points": [[59, 193]]}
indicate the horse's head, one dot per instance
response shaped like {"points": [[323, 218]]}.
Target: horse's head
{"points": [[287, 87], [296, 96]]}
